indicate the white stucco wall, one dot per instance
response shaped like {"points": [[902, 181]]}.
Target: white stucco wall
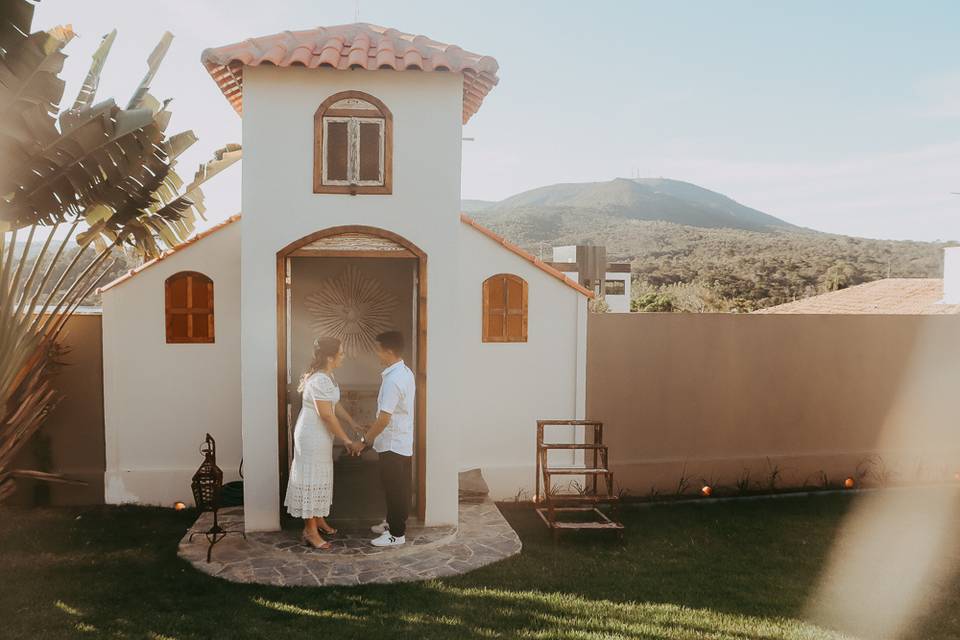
{"points": [[160, 399], [279, 207], [619, 303], [509, 386], [566, 253]]}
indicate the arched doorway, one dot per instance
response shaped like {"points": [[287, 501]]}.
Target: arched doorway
{"points": [[347, 272]]}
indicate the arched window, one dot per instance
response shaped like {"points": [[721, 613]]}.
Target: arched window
{"points": [[189, 307], [505, 308], [353, 145]]}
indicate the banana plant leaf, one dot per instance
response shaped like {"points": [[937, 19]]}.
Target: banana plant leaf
{"points": [[90, 84], [30, 91], [153, 63], [108, 168], [16, 16]]}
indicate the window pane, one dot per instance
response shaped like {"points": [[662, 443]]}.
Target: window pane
{"points": [[514, 325], [615, 288], [178, 292], [336, 144], [370, 156]]}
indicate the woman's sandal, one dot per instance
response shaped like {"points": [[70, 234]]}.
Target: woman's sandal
{"points": [[313, 545], [327, 532]]}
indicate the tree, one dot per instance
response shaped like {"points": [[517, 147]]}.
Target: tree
{"points": [[86, 185], [651, 302], [840, 275], [599, 305]]}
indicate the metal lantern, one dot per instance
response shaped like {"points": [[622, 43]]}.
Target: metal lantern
{"points": [[208, 480], [206, 485]]}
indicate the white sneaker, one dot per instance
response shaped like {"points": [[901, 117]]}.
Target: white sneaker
{"points": [[383, 527], [387, 540]]}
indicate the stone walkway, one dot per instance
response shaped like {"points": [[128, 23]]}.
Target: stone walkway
{"points": [[279, 558]]}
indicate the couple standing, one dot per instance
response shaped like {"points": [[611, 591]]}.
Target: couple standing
{"points": [[310, 488]]}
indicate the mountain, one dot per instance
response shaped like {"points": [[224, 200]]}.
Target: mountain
{"points": [[632, 199], [694, 249], [473, 206]]}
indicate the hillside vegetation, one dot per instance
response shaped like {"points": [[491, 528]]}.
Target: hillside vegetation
{"points": [[692, 249]]}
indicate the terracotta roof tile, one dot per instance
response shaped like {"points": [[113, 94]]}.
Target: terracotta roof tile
{"points": [[890, 296], [169, 252], [537, 262], [351, 46]]}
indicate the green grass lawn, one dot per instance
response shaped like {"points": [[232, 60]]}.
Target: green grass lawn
{"points": [[740, 570]]}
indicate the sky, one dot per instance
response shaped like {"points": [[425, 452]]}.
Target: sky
{"points": [[841, 117]]}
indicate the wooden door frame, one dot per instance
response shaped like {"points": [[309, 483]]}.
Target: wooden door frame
{"points": [[420, 408]]}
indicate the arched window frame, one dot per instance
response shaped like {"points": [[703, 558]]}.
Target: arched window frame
{"points": [[497, 312], [198, 308], [325, 111]]}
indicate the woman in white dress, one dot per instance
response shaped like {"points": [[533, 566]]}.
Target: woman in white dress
{"points": [[310, 488]]}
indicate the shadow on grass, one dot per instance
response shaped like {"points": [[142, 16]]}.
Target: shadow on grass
{"points": [[431, 610], [711, 571]]}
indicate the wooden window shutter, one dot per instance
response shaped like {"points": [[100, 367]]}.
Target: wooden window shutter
{"points": [[353, 145], [370, 157], [189, 308], [505, 301], [337, 150]]}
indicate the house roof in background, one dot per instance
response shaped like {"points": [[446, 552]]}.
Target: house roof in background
{"points": [[612, 267], [537, 262], [890, 296], [351, 46], [169, 252]]}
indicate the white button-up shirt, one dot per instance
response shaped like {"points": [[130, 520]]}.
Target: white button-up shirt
{"points": [[397, 394]]}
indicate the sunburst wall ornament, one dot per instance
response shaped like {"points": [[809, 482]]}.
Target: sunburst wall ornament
{"points": [[352, 307]]}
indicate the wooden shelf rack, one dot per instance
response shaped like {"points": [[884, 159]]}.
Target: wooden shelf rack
{"points": [[582, 499]]}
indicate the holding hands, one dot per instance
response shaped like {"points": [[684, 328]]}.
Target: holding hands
{"points": [[356, 448]]}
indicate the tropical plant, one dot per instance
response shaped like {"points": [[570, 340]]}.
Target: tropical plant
{"points": [[95, 176], [599, 305], [651, 302]]}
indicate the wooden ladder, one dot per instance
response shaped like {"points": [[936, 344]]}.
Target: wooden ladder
{"points": [[597, 488]]}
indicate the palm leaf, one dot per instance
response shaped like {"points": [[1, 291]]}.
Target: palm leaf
{"points": [[153, 63], [158, 210], [89, 88], [222, 159], [98, 150], [112, 168], [30, 91], [16, 16]]}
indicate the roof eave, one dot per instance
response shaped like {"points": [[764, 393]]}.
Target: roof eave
{"points": [[166, 254], [537, 262]]}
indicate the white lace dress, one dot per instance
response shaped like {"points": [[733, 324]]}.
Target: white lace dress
{"points": [[310, 488]]}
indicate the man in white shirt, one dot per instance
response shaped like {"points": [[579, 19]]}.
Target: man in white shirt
{"points": [[392, 437]]}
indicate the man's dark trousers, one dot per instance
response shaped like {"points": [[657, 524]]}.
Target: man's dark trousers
{"points": [[395, 477]]}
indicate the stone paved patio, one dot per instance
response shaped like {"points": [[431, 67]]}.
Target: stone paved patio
{"points": [[278, 558]]}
